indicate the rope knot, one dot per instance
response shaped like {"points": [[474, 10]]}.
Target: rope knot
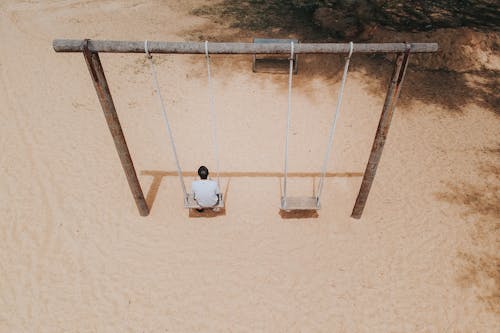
{"points": [[351, 48], [206, 49], [292, 51], [146, 49]]}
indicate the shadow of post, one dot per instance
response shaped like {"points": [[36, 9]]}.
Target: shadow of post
{"points": [[153, 189]]}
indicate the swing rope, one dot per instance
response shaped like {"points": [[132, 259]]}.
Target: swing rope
{"points": [[213, 116], [288, 119], [334, 123], [165, 118]]}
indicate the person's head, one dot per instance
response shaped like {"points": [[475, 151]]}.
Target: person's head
{"points": [[203, 172]]}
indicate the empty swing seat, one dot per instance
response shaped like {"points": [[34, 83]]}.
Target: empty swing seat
{"points": [[273, 63], [192, 204], [300, 203]]}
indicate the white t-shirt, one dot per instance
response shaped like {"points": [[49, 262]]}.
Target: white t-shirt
{"points": [[205, 192]]}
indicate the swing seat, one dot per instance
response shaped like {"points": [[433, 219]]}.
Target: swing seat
{"points": [[300, 203], [191, 203], [273, 63]]}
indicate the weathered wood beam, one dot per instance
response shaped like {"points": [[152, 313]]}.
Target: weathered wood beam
{"points": [[76, 45], [391, 98], [108, 107]]}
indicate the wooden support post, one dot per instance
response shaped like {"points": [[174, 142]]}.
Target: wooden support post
{"points": [[382, 130], [108, 107]]}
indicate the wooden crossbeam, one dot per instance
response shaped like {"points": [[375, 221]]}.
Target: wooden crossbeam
{"points": [[115, 46]]}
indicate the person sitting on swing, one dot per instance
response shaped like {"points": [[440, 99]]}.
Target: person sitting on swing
{"points": [[205, 191]]}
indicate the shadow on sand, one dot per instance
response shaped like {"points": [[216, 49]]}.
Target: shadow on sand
{"points": [[452, 91], [158, 177], [481, 202]]}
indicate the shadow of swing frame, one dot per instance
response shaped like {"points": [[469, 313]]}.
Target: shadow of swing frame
{"points": [[158, 176]]}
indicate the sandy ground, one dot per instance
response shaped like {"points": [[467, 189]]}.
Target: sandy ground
{"points": [[75, 256]]}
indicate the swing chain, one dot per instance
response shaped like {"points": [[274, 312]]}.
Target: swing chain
{"points": [[213, 115], [165, 119], [334, 123], [288, 121]]}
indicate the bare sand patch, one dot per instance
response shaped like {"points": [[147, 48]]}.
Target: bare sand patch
{"points": [[76, 256]]}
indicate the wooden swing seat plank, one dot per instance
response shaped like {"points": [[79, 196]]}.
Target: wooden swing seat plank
{"points": [[192, 204], [273, 63], [299, 203], [274, 66]]}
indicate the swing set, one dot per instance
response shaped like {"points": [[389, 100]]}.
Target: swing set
{"points": [[91, 49]]}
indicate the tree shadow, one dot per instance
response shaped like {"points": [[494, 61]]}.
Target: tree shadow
{"points": [[451, 90], [476, 199], [339, 17], [481, 202], [482, 271], [432, 14], [265, 17]]}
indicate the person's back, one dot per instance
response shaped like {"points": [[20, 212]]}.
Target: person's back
{"points": [[205, 191]]}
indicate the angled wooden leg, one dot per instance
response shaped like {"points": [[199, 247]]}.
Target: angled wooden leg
{"points": [[108, 107], [382, 131]]}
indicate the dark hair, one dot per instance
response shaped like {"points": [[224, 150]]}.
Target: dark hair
{"points": [[203, 172]]}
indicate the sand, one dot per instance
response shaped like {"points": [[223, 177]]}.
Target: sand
{"points": [[75, 256]]}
